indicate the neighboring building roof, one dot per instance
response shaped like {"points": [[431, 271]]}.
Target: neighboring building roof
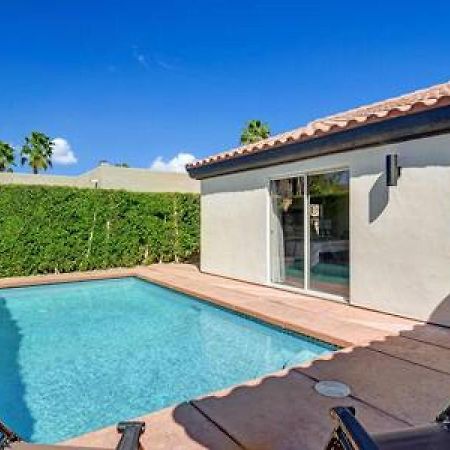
{"points": [[412, 103]]}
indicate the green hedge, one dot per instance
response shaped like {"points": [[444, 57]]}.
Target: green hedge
{"points": [[58, 229]]}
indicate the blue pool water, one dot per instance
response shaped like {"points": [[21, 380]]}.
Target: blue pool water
{"points": [[79, 356]]}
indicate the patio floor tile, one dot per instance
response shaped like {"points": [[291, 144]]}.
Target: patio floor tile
{"points": [[428, 355], [410, 392], [183, 429], [284, 412]]}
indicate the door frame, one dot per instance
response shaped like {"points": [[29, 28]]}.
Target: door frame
{"points": [[306, 233]]}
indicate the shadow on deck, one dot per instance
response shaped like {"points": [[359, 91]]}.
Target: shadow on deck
{"points": [[397, 382]]}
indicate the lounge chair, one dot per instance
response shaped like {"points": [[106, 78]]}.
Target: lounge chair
{"points": [[349, 434], [130, 433]]}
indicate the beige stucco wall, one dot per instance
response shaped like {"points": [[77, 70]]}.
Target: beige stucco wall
{"points": [[399, 236], [47, 180], [111, 177]]}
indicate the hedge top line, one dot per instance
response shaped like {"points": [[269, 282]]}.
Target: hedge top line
{"points": [[61, 229]]}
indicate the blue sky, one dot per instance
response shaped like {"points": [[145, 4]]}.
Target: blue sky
{"points": [[131, 81]]}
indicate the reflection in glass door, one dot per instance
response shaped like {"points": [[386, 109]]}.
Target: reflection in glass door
{"points": [[329, 269], [316, 257], [288, 236]]}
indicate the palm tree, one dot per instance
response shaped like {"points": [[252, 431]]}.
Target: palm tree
{"points": [[254, 132], [6, 157], [37, 152]]}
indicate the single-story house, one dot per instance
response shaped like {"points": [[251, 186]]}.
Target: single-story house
{"points": [[354, 207]]}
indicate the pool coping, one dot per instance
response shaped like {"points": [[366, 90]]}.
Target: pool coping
{"points": [[330, 335], [145, 273]]}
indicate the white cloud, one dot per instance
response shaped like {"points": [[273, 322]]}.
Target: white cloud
{"points": [[63, 153], [164, 64], [140, 58], [176, 164]]}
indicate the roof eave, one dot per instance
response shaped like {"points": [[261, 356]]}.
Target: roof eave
{"points": [[397, 129]]}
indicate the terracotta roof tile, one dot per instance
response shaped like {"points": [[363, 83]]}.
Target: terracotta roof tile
{"points": [[433, 97]]}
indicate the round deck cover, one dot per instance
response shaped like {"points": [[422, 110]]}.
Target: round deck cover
{"points": [[330, 388]]}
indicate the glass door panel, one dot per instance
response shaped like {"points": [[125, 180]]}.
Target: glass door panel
{"points": [[287, 229], [329, 261]]}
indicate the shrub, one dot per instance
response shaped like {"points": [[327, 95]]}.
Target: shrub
{"points": [[62, 229]]}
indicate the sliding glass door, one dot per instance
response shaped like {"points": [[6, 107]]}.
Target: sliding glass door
{"points": [[329, 233], [310, 232], [288, 235]]}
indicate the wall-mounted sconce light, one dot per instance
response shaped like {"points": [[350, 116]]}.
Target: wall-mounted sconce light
{"points": [[393, 170]]}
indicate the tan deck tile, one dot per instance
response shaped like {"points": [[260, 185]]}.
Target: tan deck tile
{"points": [[65, 277], [428, 355], [199, 289], [180, 428], [321, 326], [283, 412], [406, 390], [430, 334]]}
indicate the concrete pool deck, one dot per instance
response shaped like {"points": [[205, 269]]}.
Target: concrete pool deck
{"points": [[398, 370]]}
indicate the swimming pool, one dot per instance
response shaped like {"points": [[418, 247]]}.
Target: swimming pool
{"points": [[76, 357]]}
